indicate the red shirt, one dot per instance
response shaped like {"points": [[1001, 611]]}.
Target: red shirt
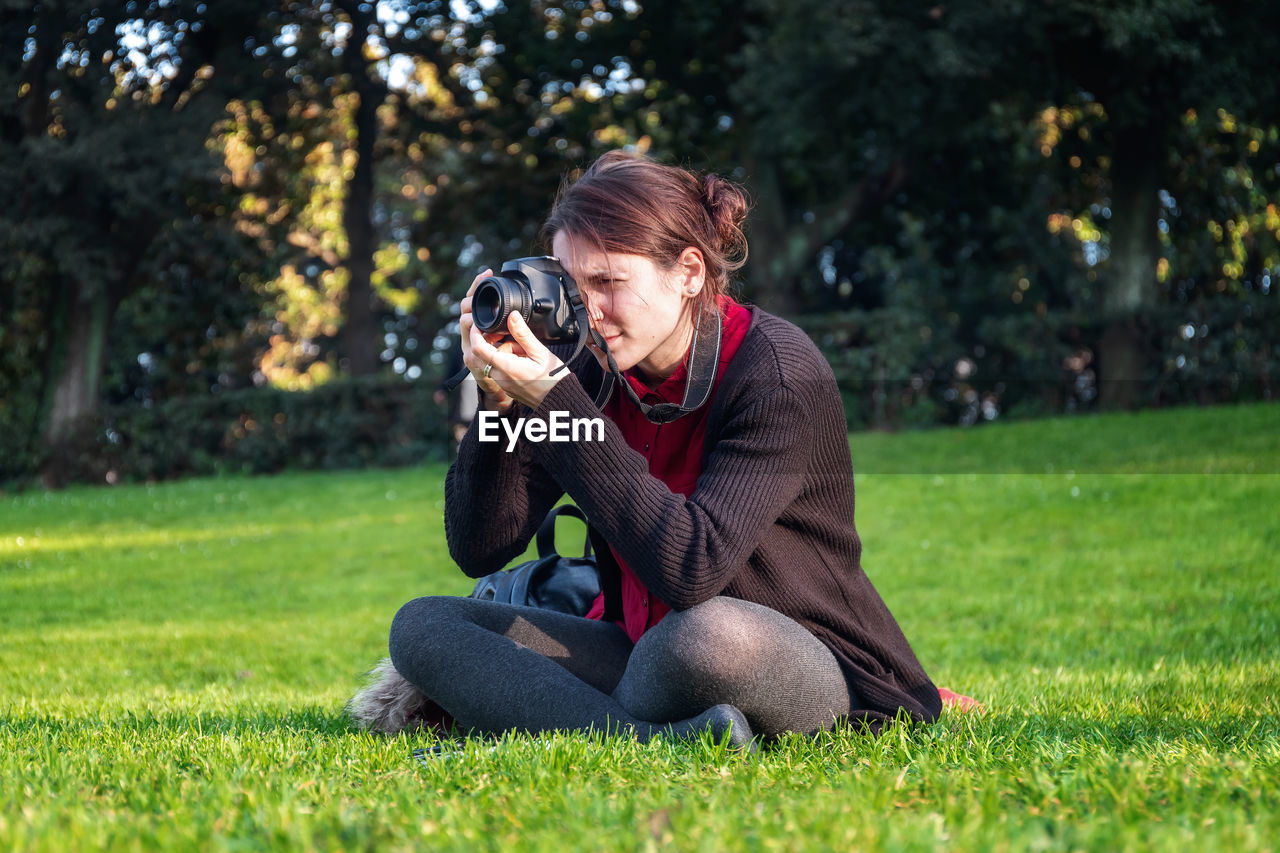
{"points": [[674, 451]]}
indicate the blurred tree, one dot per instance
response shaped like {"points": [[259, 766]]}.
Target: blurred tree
{"points": [[538, 89], [192, 325], [872, 109], [850, 105], [369, 91], [976, 195], [300, 181], [113, 108], [466, 118], [1146, 64], [501, 102]]}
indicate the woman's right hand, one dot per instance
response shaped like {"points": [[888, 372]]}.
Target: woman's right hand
{"points": [[494, 397]]}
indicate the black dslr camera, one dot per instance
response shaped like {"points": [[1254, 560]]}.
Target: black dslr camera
{"points": [[539, 290]]}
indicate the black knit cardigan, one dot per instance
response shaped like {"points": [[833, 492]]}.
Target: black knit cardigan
{"points": [[771, 519]]}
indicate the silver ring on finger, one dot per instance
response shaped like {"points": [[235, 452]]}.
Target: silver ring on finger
{"points": [[488, 368]]}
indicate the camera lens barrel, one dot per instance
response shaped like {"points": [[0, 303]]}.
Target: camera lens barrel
{"points": [[538, 289], [494, 300]]}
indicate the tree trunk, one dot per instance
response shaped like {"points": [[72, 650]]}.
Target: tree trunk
{"points": [[1130, 285], [769, 274], [77, 361], [359, 332], [781, 250]]}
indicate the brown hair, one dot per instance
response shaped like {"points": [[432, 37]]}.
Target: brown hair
{"points": [[627, 203]]}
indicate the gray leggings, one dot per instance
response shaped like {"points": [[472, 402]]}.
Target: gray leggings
{"points": [[727, 665]]}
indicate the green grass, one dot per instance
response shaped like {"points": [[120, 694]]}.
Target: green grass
{"points": [[174, 659]]}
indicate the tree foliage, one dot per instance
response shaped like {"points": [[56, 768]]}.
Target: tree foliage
{"points": [[976, 208], [100, 149]]}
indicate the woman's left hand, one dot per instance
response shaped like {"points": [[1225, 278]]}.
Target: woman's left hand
{"points": [[521, 363]]}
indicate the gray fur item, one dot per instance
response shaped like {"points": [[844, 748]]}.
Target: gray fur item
{"points": [[388, 703]]}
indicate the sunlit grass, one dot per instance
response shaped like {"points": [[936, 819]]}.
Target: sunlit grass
{"points": [[175, 659], [1211, 440]]}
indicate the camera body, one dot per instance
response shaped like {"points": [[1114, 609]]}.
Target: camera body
{"points": [[538, 289]]}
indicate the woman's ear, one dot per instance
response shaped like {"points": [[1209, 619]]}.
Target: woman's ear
{"points": [[691, 271]]}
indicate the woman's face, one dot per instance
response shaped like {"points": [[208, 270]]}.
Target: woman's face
{"points": [[639, 308]]}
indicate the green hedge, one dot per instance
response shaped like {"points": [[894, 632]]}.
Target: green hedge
{"points": [[896, 368], [342, 424]]}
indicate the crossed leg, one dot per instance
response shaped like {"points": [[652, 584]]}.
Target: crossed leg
{"points": [[740, 653], [496, 667]]}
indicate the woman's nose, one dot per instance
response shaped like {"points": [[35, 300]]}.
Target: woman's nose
{"points": [[595, 306]]}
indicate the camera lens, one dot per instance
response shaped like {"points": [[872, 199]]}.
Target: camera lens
{"points": [[493, 301]]}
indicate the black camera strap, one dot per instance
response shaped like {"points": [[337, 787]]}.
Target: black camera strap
{"points": [[580, 314], [585, 332], [704, 357], [456, 379]]}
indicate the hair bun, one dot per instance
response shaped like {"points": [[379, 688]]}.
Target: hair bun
{"points": [[727, 204]]}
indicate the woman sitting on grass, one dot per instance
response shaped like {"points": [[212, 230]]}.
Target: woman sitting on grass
{"points": [[745, 609]]}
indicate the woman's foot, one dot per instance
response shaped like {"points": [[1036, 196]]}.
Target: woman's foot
{"points": [[720, 720]]}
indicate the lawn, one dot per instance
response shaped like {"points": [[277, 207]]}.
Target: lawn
{"points": [[175, 657]]}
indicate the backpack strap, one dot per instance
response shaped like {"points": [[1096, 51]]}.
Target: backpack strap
{"points": [[610, 576], [546, 538], [606, 565]]}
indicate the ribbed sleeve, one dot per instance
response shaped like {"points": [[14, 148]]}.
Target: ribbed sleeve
{"points": [[494, 501]]}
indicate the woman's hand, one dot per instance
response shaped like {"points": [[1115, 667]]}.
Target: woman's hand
{"points": [[519, 364]]}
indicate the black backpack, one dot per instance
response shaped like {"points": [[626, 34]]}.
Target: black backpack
{"points": [[552, 582]]}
